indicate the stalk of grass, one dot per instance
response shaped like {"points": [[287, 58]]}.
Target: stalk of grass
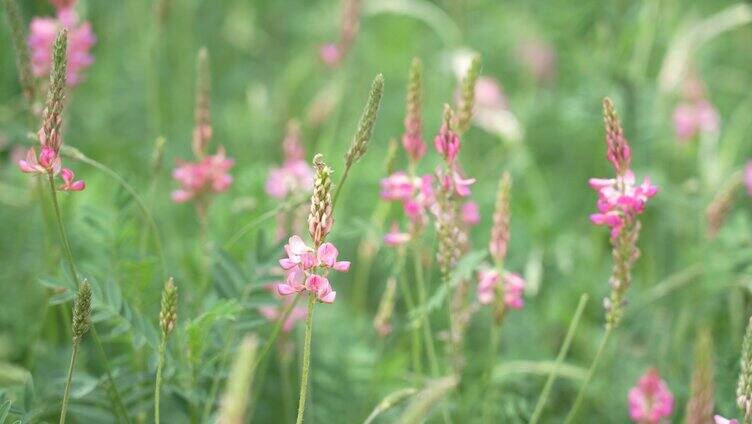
{"points": [[389, 402], [425, 322], [235, 401], [543, 398], [306, 367], [168, 316], [593, 366], [81, 324]]}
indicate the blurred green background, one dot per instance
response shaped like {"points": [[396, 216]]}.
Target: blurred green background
{"points": [[265, 71]]}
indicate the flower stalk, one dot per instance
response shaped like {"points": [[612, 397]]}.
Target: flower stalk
{"points": [[81, 324], [168, 316]]}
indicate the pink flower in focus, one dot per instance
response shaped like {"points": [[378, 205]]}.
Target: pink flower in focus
{"points": [[619, 199], [81, 39], [395, 237], [720, 420], [209, 175], [447, 143], [650, 400], [695, 117], [514, 287], [470, 213], [48, 162], [302, 263], [68, 183]]}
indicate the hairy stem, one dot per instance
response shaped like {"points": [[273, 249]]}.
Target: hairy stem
{"points": [[66, 395], [593, 366], [543, 398], [340, 184], [306, 359]]}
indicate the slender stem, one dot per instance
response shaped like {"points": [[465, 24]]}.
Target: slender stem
{"points": [[69, 255], [158, 385], [287, 401], [493, 348], [410, 303], [306, 359], [252, 225], [340, 184], [422, 300], [559, 359], [581, 395], [66, 395]]}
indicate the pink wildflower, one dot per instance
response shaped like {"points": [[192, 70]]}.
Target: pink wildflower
{"points": [[398, 186], [293, 176], [720, 420], [619, 199], [301, 264], [395, 237], [457, 183], [470, 213], [209, 175], [650, 400], [447, 143], [488, 94], [330, 54], [514, 287], [68, 183], [81, 39]]}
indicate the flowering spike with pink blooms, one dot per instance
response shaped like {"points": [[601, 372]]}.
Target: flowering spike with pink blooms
{"points": [[620, 201], [412, 139], [42, 39], [650, 401], [447, 142], [320, 218]]}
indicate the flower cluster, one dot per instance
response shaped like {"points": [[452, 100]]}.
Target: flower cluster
{"points": [[513, 285], [695, 114], [295, 175], [42, 38], [197, 179], [620, 200], [48, 162], [650, 400], [307, 269]]}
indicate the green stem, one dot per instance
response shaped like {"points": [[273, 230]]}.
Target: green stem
{"points": [[495, 335], [426, 323], [66, 395], [581, 395], [306, 359], [410, 303], [158, 385], [559, 360], [118, 404], [340, 184]]}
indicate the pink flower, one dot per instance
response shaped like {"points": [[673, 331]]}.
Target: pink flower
{"points": [[81, 39], [330, 54], [302, 264], [447, 143], [456, 182], [720, 420], [620, 199], [48, 162], [470, 213], [748, 177], [539, 58], [395, 237], [650, 400], [68, 183], [695, 117], [414, 146], [488, 94], [514, 287], [398, 186], [209, 175]]}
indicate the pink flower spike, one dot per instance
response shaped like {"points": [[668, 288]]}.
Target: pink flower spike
{"points": [[68, 183], [650, 400], [395, 237], [720, 420], [447, 143]]}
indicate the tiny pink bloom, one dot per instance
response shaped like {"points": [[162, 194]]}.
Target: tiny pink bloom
{"points": [[720, 420], [321, 287], [514, 288], [293, 283], [181, 196], [488, 94], [414, 146], [650, 400], [487, 281], [447, 143], [462, 185], [694, 117], [748, 177], [539, 58], [470, 213], [30, 165], [68, 183], [330, 54], [293, 176], [395, 237], [398, 186]]}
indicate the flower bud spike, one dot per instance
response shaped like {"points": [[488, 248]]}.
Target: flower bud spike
{"points": [[168, 314], [367, 122], [320, 219], [467, 96]]}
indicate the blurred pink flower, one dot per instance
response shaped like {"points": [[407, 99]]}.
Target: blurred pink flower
{"points": [[538, 58], [720, 420], [488, 94], [330, 54], [81, 39], [447, 143], [396, 238], [209, 175], [273, 313], [619, 199], [68, 183], [695, 117], [470, 213], [398, 186], [294, 176], [650, 400], [514, 287]]}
